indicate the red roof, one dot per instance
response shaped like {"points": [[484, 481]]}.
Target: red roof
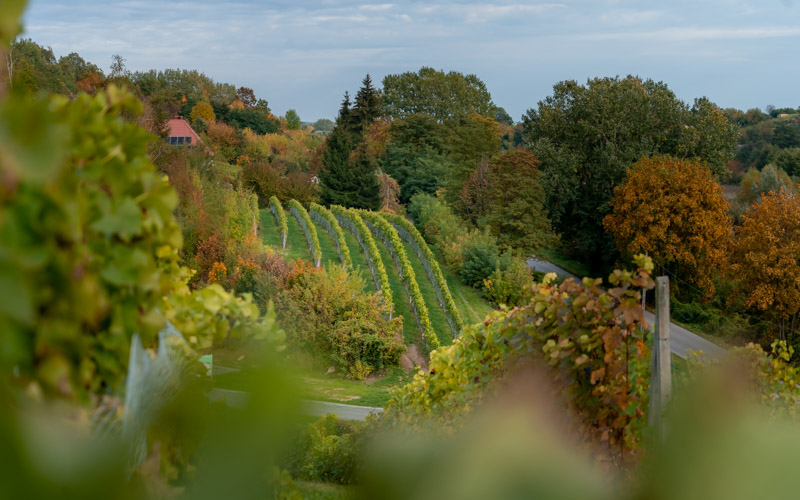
{"points": [[178, 127]]}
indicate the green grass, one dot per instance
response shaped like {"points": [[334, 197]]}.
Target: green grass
{"points": [[270, 234], [296, 246], [374, 392], [436, 312]]}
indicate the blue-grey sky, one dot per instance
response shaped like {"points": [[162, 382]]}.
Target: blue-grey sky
{"points": [[305, 54]]}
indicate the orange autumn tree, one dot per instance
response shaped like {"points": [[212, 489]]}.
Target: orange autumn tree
{"points": [[766, 258], [674, 211]]}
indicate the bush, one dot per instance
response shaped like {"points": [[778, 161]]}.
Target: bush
{"points": [[511, 286], [480, 258], [328, 451], [333, 318]]}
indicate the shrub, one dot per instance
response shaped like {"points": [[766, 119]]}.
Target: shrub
{"points": [[480, 258], [261, 178], [511, 286], [333, 318], [328, 451]]}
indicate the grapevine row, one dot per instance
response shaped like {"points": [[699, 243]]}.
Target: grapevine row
{"points": [[325, 218], [409, 233], [309, 230], [280, 218], [353, 222], [381, 228]]}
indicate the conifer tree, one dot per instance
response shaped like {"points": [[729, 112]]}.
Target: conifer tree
{"points": [[367, 106]]}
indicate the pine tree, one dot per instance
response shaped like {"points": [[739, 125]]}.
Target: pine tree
{"points": [[367, 106], [335, 176], [345, 181]]}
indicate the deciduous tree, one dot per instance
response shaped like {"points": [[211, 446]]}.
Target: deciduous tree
{"points": [[766, 258], [587, 136], [673, 210], [516, 214]]}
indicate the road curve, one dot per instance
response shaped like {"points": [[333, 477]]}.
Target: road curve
{"points": [[681, 340]]}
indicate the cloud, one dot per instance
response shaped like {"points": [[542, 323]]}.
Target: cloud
{"points": [[691, 34]]}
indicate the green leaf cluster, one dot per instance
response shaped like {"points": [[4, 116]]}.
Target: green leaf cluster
{"points": [[332, 225], [437, 279], [309, 230], [88, 241], [280, 217], [418, 306]]}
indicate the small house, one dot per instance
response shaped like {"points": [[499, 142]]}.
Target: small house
{"points": [[182, 134]]}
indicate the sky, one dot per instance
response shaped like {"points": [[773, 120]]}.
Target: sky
{"points": [[303, 55]]}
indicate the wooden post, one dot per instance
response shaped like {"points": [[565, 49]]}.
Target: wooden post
{"points": [[661, 376]]}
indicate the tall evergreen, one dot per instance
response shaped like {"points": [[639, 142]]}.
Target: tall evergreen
{"points": [[367, 106], [346, 181], [336, 179]]}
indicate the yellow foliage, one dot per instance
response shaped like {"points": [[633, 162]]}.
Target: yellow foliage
{"points": [[766, 255], [673, 210]]}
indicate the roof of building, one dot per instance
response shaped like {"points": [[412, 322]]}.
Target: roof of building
{"points": [[178, 127]]}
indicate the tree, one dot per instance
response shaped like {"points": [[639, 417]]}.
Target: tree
{"points": [[246, 96], [755, 184], [443, 96], [673, 210], [516, 212], [202, 111], [470, 141], [766, 258], [788, 160], [502, 116], [587, 136], [292, 120], [367, 106], [323, 125]]}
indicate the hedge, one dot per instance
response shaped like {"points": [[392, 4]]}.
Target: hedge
{"points": [[329, 222], [409, 232], [352, 221], [280, 218], [309, 230], [389, 235]]}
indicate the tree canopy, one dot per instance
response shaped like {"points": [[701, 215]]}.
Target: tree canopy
{"points": [[587, 136], [443, 96], [673, 210]]}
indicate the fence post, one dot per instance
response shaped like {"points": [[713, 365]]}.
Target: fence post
{"points": [[661, 376]]}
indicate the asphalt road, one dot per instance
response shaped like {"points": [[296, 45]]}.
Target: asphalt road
{"points": [[680, 339], [238, 399]]}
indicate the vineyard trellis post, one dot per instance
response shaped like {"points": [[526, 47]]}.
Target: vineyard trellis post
{"points": [[661, 375]]}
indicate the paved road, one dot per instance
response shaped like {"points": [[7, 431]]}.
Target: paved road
{"points": [[681, 339], [238, 399]]}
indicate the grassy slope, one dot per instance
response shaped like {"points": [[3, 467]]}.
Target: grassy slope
{"points": [[296, 246]]}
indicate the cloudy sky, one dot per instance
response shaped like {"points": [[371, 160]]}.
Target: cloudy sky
{"points": [[305, 54]]}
